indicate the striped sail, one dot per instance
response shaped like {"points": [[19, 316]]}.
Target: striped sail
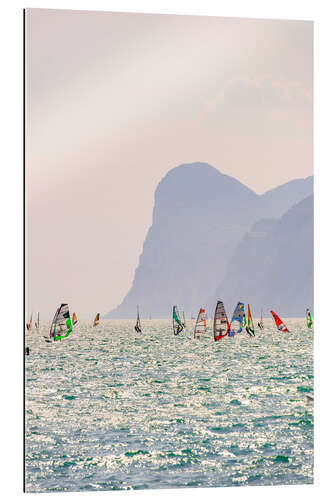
{"points": [[221, 325], [176, 323], [200, 325], [74, 319], [236, 324], [250, 325], [61, 325]]}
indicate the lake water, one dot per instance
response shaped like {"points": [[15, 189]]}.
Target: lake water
{"points": [[108, 408]]}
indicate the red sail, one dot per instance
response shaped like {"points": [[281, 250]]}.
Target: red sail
{"points": [[279, 323]]}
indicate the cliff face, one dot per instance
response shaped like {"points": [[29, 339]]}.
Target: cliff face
{"points": [[200, 217], [272, 266]]}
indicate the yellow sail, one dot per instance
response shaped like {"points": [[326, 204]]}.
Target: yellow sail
{"points": [[96, 320], [74, 319]]}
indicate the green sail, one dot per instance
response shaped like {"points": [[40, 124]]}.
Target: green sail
{"points": [[61, 325], [250, 325], [176, 323], [308, 318]]}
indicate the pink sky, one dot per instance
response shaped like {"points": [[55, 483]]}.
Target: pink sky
{"points": [[114, 101]]}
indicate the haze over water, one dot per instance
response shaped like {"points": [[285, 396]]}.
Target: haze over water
{"points": [[108, 408]]}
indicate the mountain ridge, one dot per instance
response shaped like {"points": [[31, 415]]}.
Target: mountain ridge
{"points": [[200, 216]]}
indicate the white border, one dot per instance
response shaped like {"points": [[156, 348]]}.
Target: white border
{"points": [[11, 233]]}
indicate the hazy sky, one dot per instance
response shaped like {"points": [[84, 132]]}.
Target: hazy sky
{"points": [[115, 100]]}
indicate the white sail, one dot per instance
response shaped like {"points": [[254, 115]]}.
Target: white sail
{"points": [[200, 325]]}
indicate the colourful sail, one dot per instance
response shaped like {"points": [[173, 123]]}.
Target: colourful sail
{"points": [[61, 325], [176, 323], [236, 324], [29, 325], [96, 320], [221, 325], [74, 319], [308, 318], [279, 323], [200, 325], [137, 327], [261, 323], [250, 325]]}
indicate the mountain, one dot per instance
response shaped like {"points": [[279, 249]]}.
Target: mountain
{"points": [[272, 266], [277, 201], [200, 217]]}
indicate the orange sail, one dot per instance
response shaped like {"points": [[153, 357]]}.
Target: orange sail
{"points": [[74, 319]]}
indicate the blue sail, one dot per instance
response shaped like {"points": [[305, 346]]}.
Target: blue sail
{"points": [[236, 324]]}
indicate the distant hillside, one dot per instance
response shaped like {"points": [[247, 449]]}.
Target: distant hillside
{"points": [[273, 265], [200, 217], [277, 201]]}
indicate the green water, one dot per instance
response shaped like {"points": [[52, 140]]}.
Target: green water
{"points": [[108, 408]]}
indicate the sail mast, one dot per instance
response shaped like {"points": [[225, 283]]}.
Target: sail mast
{"points": [[176, 323], [237, 320], [200, 325], [308, 318], [221, 325], [74, 319], [279, 323], [96, 320], [137, 327], [250, 325], [61, 323], [37, 322]]}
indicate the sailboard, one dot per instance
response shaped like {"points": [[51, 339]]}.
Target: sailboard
{"points": [[29, 325], [308, 318], [184, 322], [279, 323], [61, 325], [37, 322], [221, 325], [201, 323], [250, 326], [261, 323], [96, 320], [74, 319], [137, 327], [237, 320], [176, 323]]}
